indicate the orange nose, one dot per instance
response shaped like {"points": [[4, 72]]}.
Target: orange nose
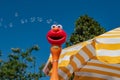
{"points": [[55, 29]]}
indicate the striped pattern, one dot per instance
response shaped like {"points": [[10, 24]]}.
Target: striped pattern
{"points": [[96, 70], [108, 46], [86, 59]]}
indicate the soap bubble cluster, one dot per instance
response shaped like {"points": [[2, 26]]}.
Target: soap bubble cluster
{"points": [[5, 23]]}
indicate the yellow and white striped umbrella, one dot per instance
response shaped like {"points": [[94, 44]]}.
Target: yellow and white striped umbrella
{"points": [[97, 70], [108, 46], [81, 59]]}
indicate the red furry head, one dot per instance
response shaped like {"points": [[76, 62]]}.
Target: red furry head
{"points": [[56, 36]]}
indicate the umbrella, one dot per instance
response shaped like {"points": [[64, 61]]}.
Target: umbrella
{"points": [[108, 46], [92, 59]]}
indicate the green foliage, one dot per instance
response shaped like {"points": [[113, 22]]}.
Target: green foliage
{"points": [[72, 77], [17, 65], [85, 28]]}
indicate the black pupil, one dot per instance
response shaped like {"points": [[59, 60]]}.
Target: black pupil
{"points": [[53, 26], [58, 26]]}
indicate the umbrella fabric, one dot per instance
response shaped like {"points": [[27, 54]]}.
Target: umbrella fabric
{"points": [[97, 70], [75, 61], [85, 60], [108, 46]]}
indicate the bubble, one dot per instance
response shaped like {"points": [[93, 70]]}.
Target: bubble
{"points": [[49, 21], [26, 21], [22, 21], [32, 19], [11, 25], [16, 14], [39, 19]]}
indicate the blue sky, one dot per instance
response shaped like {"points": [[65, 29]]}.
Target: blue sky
{"points": [[24, 23]]}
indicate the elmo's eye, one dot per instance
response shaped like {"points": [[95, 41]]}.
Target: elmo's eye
{"points": [[59, 26], [53, 26]]}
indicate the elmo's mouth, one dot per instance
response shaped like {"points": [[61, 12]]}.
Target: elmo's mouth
{"points": [[56, 37]]}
